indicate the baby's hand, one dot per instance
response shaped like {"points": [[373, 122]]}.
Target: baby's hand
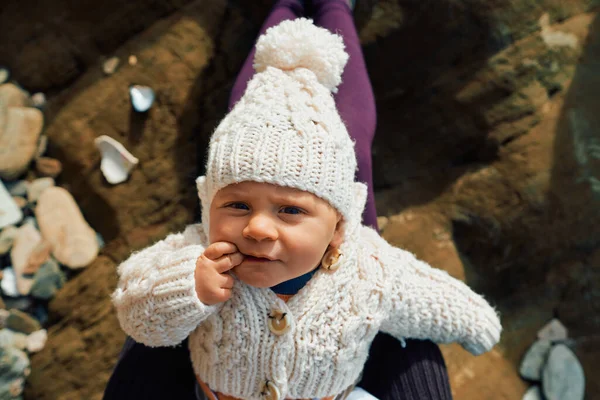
{"points": [[213, 283]]}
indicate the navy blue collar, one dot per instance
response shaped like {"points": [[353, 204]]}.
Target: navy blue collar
{"points": [[293, 286]]}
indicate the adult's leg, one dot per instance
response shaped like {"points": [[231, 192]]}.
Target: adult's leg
{"points": [[354, 100], [392, 371]]}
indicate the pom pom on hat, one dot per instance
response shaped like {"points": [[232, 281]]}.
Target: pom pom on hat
{"points": [[299, 43]]}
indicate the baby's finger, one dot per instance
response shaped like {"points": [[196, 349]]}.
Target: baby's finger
{"points": [[217, 249], [227, 281], [228, 261]]}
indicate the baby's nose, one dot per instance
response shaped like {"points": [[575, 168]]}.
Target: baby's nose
{"points": [[261, 227]]}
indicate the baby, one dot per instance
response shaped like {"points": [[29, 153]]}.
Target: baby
{"points": [[281, 289]]}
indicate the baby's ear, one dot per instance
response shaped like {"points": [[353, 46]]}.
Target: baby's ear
{"points": [[338, 234]]}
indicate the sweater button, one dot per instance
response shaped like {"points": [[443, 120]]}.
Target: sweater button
{"points": [[279, 322], [269, 391]]}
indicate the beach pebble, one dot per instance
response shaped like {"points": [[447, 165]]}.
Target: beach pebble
{"points": [[73, 241], [563, 377], [14, 366], [39, 255], [7, 237], [25, 243], [10, 212], [47, 166], [9, 282], [20, 321], [553, 331], [9, 338], [533, 393], [534, 360], [13, 96], [110, 66], [17, 188], [20, 128], [48, 280], [37, 187], [4, 74], [132, 60], [37, 340]]}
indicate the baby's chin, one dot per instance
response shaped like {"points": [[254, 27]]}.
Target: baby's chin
{"points": [[256, 279]]}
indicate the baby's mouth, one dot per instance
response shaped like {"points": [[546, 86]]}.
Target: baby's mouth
{"points": [[248, 257]]}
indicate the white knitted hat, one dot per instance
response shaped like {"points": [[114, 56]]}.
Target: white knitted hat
{"points": [[286, 130]]}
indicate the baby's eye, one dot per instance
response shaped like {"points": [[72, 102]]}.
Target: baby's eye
{"points": [[292, 210], [238, 206]]}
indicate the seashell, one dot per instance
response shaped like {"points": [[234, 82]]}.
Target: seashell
{"points": [[10, 212], [117, 162], [110, 66], [62, 224], [142, 97], [4, 74]]}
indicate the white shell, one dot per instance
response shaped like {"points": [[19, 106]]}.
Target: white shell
{"points": [[10, 213], [117, 162], [142, 97]]}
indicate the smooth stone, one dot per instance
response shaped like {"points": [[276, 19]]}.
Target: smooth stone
{"points": [[3, 317], [73, 241], [19, 133], [534, 360], [110, 66], [19, 321], [23, 303], [39, 255], [48, 280], [37, 340], [142, 97], [13, 96], [18, 188], [132, 60], [10, 338], [47, 166], [533, 393], [7, 237], [38, 100], [37, 187], [563, 377], [10, 212], [553, 330], [9, 283], [21, 202], [4, 74], [42, 146], [14, 366], [24, 245]]}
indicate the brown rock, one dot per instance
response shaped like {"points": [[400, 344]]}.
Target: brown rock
{"points": [[19, 321], [73, 241], [46, 166], [38, 256], [19, 133]]}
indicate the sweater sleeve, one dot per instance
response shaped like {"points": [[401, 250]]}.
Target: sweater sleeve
{"points": [[156, 299], [427, 303]]}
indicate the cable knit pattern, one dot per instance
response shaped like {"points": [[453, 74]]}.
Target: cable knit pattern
{"points": [[285, 129], [334, 317]]}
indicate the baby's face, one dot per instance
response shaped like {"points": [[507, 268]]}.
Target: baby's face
{"points": [[282, 232]]}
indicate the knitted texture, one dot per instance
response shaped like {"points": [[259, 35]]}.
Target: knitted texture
{"points": [[285, 129], [333, 318]]}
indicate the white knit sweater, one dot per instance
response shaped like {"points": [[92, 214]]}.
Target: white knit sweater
{"points": [[334, 317]]}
